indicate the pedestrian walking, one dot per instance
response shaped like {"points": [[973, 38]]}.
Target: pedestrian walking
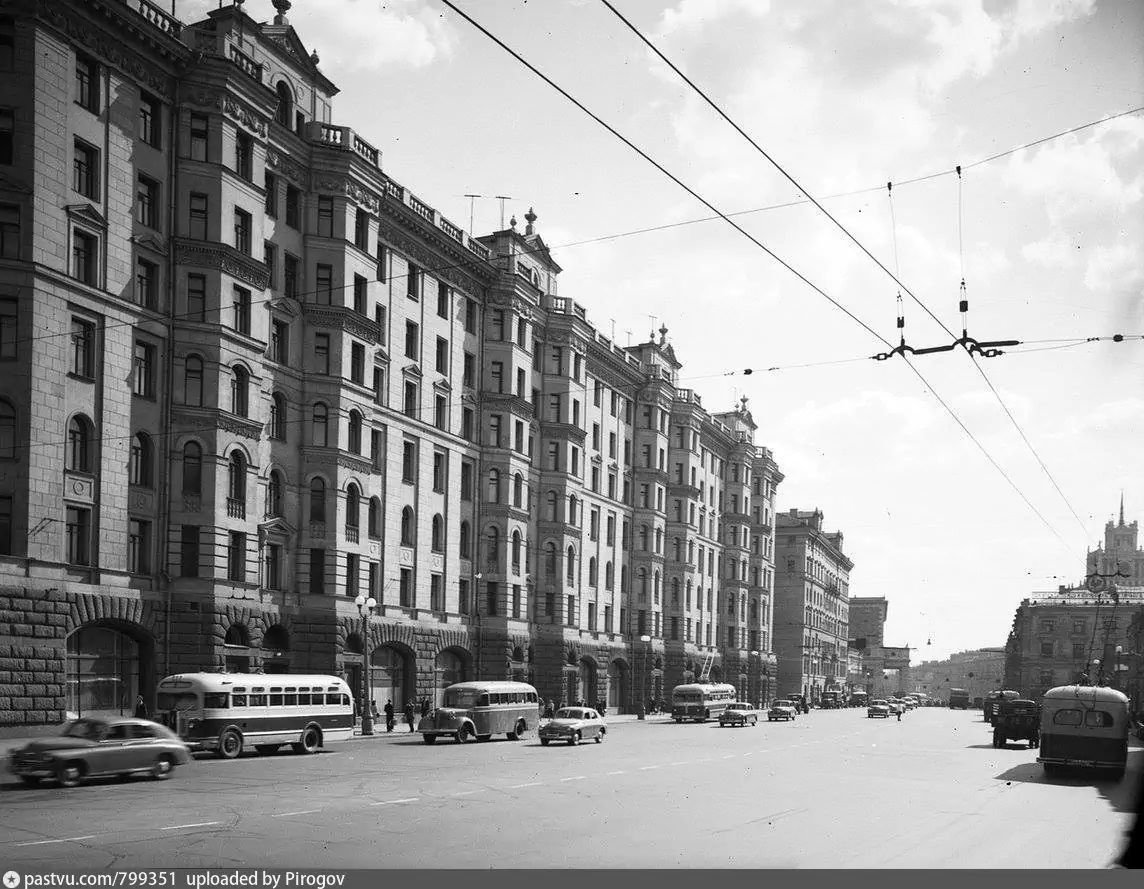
{"points": [[141, 709], [549, 709], [899, 714], [373, 710], [410, 714], [389, 716], [424, 707]]}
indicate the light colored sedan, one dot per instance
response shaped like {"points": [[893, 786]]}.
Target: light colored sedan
{"points": [[573, 725], [878, 708], [781, 710], [90, 747], [739, 713]]}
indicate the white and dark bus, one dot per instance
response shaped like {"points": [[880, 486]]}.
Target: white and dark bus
{"points": [[701, 700], [231, 712]]}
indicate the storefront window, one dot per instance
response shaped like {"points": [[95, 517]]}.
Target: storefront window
{"points": [[102, 673]]}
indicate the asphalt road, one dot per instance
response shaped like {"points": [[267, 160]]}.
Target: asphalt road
{"points": [[833, 789]]}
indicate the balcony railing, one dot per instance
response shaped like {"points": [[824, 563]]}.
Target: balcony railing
{"points": [[352, 534], [245, 63], [345, 139], [235, 509], [164, 21]]}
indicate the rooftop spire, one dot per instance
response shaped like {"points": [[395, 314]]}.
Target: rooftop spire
{"points": [[1122, 508]]}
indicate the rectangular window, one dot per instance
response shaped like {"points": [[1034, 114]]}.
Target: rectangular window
{"points": [[467, 423], [463, 596], [199, 212], [78, 530], [361, 230], [412, 340], [244, 156], [405, 591], [150, 120], [236, 557], [409, 462], [9, 231], [442, 355], [357, 363], [382, 261], [143, 370], [322, 353], [491, 598], [83, 348], [270, 201], [375, 448], [86, 83], [147, 202], [293, 207], [438, 472], [241, 310], [280, 341], [353, 574], [85, 170], [324, 281], [410, 400], [570, 613], [138, 546], [466, 481], [436, 597], [189, 551], [290, 266], [242, 231], [360, 292], [325, 217], [196, 298], [317, 571], [413, 282], [270, 260], [470, 316], [440, 412], [199, 131], [146, 284], [442, 300], [469, 373]]}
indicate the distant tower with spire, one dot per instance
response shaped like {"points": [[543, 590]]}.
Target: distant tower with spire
{"points": [[1121, 552]]}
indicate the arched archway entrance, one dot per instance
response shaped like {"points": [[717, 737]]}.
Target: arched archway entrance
{"points": [[276, 650], [236, 649], [585, 689], [619, 699], [450, 668], [392, 678], [108, 666], [350, 661]]}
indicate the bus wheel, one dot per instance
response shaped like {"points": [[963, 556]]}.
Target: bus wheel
{"points": [[519, 731], [230, 745], [311, 741], [544, 742], [679, 719], [464, 734]]}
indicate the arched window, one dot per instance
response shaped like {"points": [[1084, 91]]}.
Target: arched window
{"points": [[239, 390], [552, 508], [494, 486], [492, 551], [320, 434], [192, 468], [355, 432], [277, 424], [284, 114], [609, 576], [571, 510], [659, 540], [518, 490], [353, 507], [642, 579], [317, 499], [193, 381], [655, 587], [516, 551], [592, 576], [465, 541], [274, 494], [374, 518], [79, 444], [236, 479], [408, 529], [550, 561], [139, 472], [437, 539], [7, 430], [571, 567]]}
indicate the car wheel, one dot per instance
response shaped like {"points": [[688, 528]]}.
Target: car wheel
{"points": [[544, 742], [679, 719], [230, 744], [30, 780], [162, 768], [464, 734], [519, 731], [429, 739], [574, 740], [311, 741], [600, 737], [68, 774]]}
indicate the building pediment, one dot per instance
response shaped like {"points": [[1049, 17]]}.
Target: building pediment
{"points": [[86, 213], [285, 306], [412, 370], [277, 529], [150, 242]]}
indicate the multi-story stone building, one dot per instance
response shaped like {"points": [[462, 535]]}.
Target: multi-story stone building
{"points": [[1121, 559], [979, 672], [231, 339], [812, 605]]}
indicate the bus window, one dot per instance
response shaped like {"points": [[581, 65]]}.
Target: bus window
{"points": [[1067, 717], [1101, 718], [275, 696], [238, 700], [304, 699], [216, 700], [258, 700], [178, 701], [483, 701], [345, 700], [460, 698], [290, 699], [333, 699]]}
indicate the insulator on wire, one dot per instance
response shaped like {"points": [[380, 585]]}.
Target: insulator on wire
{"points": [[963, 306]]}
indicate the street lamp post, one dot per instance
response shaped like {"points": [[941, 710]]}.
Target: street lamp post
{"points": [[1098, 672], [642, 712], [752, 681], [365, 606]]}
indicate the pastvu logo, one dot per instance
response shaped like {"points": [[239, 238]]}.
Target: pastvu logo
{"points": [[11, 879]]}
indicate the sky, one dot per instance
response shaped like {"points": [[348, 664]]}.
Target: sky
{"points": [[953, 525]]}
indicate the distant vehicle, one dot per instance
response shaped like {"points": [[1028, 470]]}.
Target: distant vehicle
{"points": [[993, 699], [978, 703], [473, 710], [701, 700], [830, 700], [878, 708], [959, 699], [781, 709], [89, 747], [573, 725], [859, 699], [1084, 725], [1017, 721], [739, 713]]}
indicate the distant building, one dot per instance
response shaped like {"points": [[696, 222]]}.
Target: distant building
{"points": [[1121, 553], [884, 670], [978, 671]]}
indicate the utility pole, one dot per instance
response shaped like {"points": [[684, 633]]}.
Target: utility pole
{"points": [[472, 198], [502, 198]]}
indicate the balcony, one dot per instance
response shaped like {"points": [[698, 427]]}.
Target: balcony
{"points": [[352, 534], [235, 508], [164, 21], [246, 64], [345, 139]]}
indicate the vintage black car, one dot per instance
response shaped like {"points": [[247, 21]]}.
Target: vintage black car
{"points": [[1017, 720]]}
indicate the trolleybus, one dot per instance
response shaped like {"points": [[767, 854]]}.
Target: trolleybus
{"points": [[701, 700]]}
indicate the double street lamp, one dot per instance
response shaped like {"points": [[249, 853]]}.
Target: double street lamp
{"points": [[365, 605], [642, 711]]}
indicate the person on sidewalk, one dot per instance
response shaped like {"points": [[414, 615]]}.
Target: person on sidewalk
{"points": [[389, 716], [141, 709], [410, 715], [424, 707], [899, 711]]}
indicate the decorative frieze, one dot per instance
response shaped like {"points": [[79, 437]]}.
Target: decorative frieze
{"points": [[346, 186], [432, 263], [286, 167], [240, 426], [342, 319], [236, 111], [224, 258]]}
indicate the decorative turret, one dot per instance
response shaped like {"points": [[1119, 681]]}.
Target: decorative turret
{"points": [[529, 218]]}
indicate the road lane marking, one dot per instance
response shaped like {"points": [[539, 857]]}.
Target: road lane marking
{"points": [[646, 768], [185, 826], [393, 802], [729, 756], [679, 763], [575, 778], [529, 784], [620, 772], [304, 812], [68, 840], [467, 792]]}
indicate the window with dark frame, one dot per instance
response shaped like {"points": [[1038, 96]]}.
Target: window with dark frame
{"points": [[322, 353], [143, 370], [85, 170], [138, 546], [9, 231], [236, 557], [360, 294], [7, 43], [146, 283], [147, 202], [150, 120], [242, 231], [325, 216], [317, 571], [270, 260], [412, 340], [189, 550], [199, 211], [290, 267], [412, 281], [442, 299], [280, 341], [244, 156], [361, 230], [85, 249], [293, 207], [240, 306], [83, 348], [200, 131], [78, 535], [324, 284], [87, 83], [196, 298], [270, 199], [357, 363], [7, 136]]}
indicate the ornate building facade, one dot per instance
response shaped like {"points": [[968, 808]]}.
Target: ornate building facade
{"points": [[250, 376]]}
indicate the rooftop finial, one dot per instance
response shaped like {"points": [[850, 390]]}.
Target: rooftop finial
{"points": [[282, 7], [1122, 508], [529, 217], [743, 404], [662, 334], [314, 58], [512, 223]]}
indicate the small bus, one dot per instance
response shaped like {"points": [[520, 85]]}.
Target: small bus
{"points": [[958, 699], [1084, 725], [701, 700], [859, 699], [482, 709], [231, 712]]}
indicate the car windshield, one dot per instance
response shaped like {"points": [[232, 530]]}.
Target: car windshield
{"points": [[569, 713], [87, 729], [878, 703], [738, 706], [461, 698], [783, 704]]}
